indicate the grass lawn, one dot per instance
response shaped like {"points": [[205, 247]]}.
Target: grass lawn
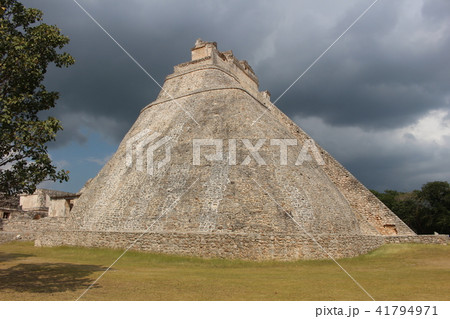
{"points": [[393, 272]]}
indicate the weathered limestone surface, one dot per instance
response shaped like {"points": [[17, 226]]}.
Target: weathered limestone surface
{"points": [[7, 237], [27, 228], [12, 236], [39, 200], [30, 229], [217, 209], [235, 245]]}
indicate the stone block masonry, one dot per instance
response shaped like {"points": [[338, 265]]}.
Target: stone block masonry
{"points": [[29, 229], [7, 237], [234, 246]]}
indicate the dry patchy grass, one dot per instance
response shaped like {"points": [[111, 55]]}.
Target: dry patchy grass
{"points": [[393, 272]]}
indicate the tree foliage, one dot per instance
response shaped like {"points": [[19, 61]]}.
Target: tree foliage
{"points": [[27, 47], [426, 211]]}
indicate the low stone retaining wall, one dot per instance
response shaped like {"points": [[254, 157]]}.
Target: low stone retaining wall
{"points": [[232, 245], [50, 232], [6, 237], [418, 239], [11, 236], [30, 228]]}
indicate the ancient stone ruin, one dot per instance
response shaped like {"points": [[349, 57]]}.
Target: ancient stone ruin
{"points": [[212, 168], [24, 216]]}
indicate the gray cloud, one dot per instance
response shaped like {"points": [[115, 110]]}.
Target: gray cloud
{"points": [[385, 159], [388, 71]]}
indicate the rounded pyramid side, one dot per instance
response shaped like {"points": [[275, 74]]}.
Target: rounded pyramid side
{"points": [[223, 197], [216, 98]]}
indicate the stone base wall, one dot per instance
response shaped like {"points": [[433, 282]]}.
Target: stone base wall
{"points": [[6, 237], [418, 239], [233, 246], [51, 232], [29, 228], [11, 236]]}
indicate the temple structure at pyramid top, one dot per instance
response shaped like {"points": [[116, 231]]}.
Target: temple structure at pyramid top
{"points": [[207, 51], [206, 56], [213, 168]]}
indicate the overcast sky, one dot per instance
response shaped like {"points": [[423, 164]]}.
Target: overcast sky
{"points": [[378, 100]]}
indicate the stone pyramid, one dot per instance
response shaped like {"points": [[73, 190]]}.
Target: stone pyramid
{"points": [[197, 175]]}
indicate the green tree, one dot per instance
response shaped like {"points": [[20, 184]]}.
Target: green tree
{"points": [[435, 200], [426, 211], [27, 47]]}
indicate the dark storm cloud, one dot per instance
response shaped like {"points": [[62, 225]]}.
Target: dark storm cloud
{"points": [[401, 159], [384, 73]]}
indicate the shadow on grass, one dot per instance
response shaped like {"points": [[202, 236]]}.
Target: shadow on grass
{"points": [[7, 257], [47, 277]]}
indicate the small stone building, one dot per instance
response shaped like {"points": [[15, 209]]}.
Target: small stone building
{"points": [[61, 205], [40, 200], [25, 216], [42, 203]]}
